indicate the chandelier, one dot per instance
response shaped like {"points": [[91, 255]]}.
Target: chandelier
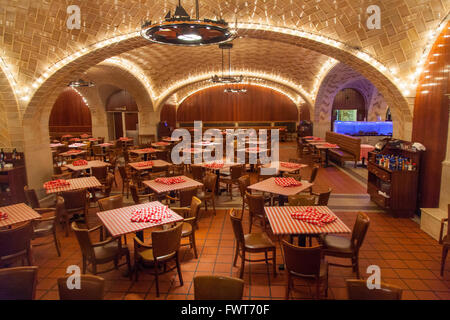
{"points": [[179, 29], [232, 90], [228, 78], [81, 83]]}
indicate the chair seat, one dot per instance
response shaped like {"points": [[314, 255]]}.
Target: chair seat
{"points": [[336, 243], [186, 229], [257, 241], [43, 227], [202, 195], [107, 251], [146, 255], [343, 154]]}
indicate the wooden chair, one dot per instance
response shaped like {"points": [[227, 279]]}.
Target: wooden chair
{"points": [[104, 190], [323, 197], [304, 262], [198, 173], [164, 248], [76, 202], [190, 216], [18, 283], [445, 241], [110, 250], [301, 200], [46, 225], [218, 288], [125, 179], [244, 183], [236, 172], [255, 209], [341, 247], [177, 170], [63, 176], [184, 197], [101, 173], [98, 153], [31, 197], [251, 243], [91, 288], [110, 203], [358, 290], [112, 168], [15, 244], [209, 191], [139, 197]]}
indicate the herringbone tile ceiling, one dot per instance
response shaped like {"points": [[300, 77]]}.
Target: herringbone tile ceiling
{"points": [[34, 33]]}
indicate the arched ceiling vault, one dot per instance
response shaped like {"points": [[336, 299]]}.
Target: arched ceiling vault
{"points": [[44, 55]]}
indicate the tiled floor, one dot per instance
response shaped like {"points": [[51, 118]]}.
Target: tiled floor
{"points": [[407, 257]]}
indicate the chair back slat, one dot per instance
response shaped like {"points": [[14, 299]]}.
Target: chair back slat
{"points": [[302, 260], [166, 242]]}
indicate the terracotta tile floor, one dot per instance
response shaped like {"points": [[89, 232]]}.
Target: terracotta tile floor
{"points": [[407, 257]]}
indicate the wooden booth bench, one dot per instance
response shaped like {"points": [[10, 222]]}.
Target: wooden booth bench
{"points": [[349, 147]]}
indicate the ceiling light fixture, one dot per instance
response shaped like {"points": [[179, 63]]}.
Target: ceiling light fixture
{"points": [[81, 84], [229, 78], [231, 90], [181, 30]]}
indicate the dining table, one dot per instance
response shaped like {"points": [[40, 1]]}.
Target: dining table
{"points": [[280, 167], [88, 166], [162, 188], [75, 184], [17, 213], [271, 187], [283, 223], [118, 221], [144, 152], [325, 147], [148, 165]]}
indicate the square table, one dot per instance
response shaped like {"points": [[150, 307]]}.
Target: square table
{"points": [[165, 188], [145, 152], [72, 153], [325, 147], [282, 223], [226, 166], [160, 144], [169, 139], [56, 145], [156, 163], [278, 165], [18, 213], [77, 145], [270, 186], [77, 183], [118, 221], [91, 164]]}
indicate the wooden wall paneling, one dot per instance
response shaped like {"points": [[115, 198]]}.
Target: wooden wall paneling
{"points": [[430, 123], [169, 114], [349, 99], [121, 100], [70, 114], [258, 104]]}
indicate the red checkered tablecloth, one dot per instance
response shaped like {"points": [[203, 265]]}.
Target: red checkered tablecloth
{"points": [[365, 149], [163, 188], [287, 182], [118, 221], [282, 223], [146, 165], [18, 213], [90, 164], [270, 186], [75, 184], [144, 151]]}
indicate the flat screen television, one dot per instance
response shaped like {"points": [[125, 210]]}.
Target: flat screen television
{"points": [[347, 115]]}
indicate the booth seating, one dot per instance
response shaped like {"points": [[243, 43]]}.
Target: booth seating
{"points": [[349, 147]]}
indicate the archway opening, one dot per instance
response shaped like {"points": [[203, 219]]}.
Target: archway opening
{"points": [[70, 115], [348, 105], [123, 114]]}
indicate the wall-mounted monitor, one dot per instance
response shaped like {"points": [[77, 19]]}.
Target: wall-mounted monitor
{"points": [[347, 115]]}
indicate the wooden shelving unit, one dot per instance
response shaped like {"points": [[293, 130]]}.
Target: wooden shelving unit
{"points": [[395, 191], [12, 181]]}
